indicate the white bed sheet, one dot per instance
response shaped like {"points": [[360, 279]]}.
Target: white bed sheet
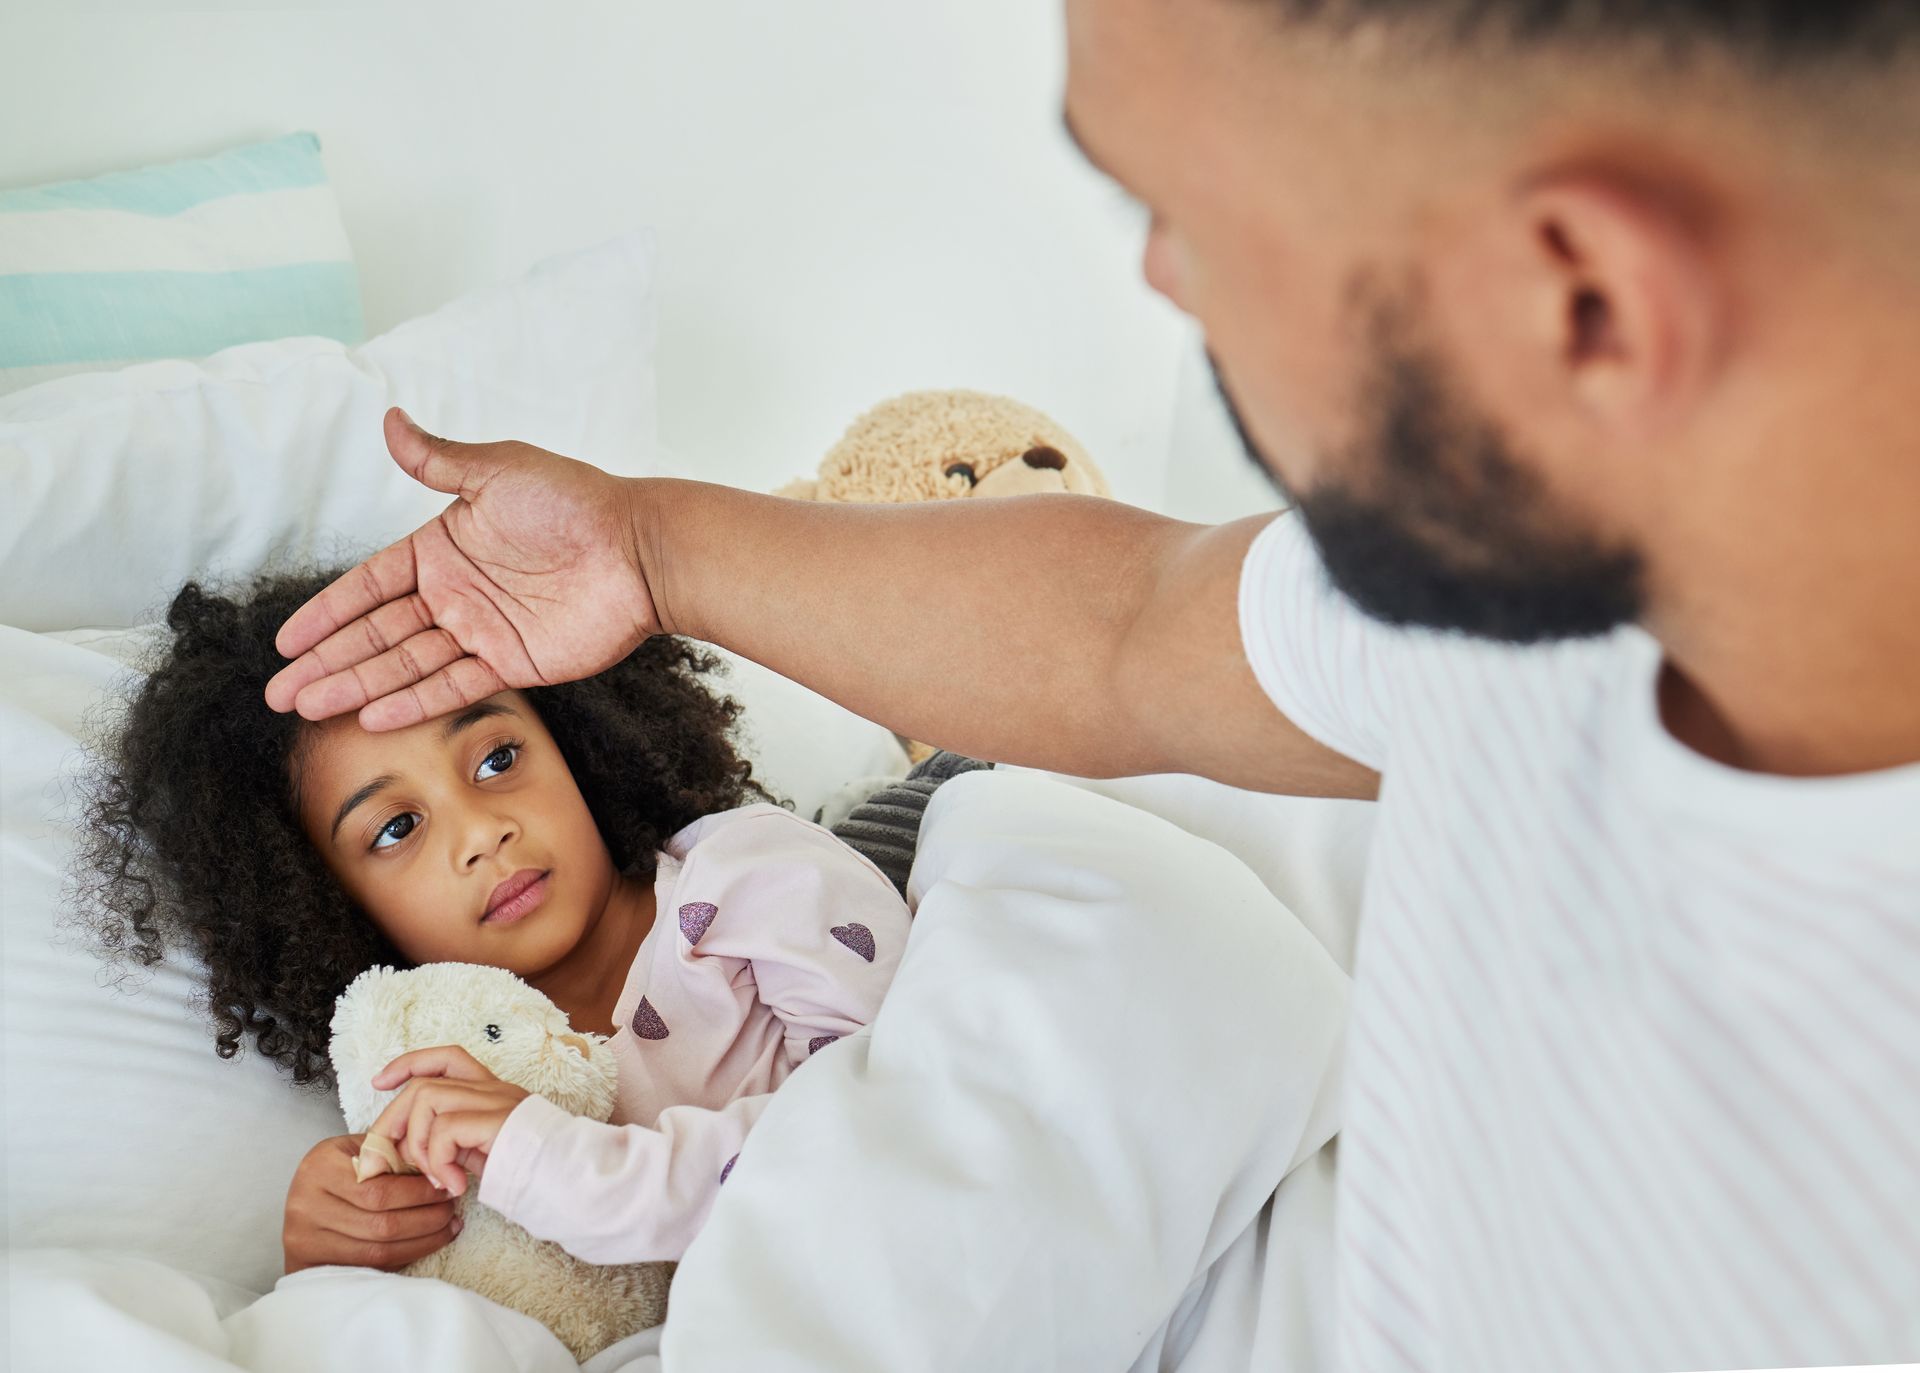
{"points": [[102, 1312], [1107, 1045], [1057, 1147]]}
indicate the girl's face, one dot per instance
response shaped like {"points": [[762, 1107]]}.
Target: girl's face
{"points": [[422, 825]]}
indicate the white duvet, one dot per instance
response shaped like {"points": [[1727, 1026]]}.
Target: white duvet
{"points": [[1057, 1148]]}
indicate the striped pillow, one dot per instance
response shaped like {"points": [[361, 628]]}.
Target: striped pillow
{"points": [[173, 261]]}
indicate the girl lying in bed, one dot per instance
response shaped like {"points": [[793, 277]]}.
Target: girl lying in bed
{"points": [[601, 839]]}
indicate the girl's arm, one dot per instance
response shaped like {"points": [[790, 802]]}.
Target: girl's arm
{"points": [[615, 1193], [823, 931]]}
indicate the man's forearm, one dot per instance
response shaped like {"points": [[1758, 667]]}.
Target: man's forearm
{"points": [[988, 627]]}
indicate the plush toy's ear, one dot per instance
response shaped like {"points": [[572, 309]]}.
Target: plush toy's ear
{"points": [[369, 1032]]}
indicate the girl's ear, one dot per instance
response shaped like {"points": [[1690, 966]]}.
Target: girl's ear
{"points": [[369, 1032]]}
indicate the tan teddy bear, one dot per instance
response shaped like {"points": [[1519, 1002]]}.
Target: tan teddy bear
{"points": [[939, 445], [936, 445], [523, 1038]]}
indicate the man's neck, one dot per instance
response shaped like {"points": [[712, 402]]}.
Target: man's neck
{"points": [[1797, 650]]}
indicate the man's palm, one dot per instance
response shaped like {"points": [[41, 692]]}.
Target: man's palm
{"points": [[530, 577]]}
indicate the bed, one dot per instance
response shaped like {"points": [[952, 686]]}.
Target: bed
{"points": [[1091, 1128]]}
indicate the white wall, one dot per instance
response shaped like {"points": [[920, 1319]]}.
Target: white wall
{"points": [[853, 197]]}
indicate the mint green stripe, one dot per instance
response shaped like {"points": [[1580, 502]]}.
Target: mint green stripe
{"points": [[92, 316], [170, 187]]}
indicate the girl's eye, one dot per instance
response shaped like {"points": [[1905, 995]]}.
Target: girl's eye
{"points": [[403, 824], [499, 760], [389, 830]]}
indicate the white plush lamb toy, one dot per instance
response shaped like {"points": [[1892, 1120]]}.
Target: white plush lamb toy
{"points": [[522, 1038]]}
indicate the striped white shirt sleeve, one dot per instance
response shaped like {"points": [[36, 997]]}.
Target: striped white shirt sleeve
{"points": [[1326, 665]]}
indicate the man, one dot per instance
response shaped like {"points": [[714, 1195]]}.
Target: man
{"points": [[1585, 334]]}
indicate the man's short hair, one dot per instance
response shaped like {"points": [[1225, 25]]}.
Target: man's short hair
{"points": [[1778, 34]]}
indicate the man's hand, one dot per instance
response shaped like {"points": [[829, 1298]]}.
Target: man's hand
{"points": [[384, 1223], [529, 578], [446, 1118]]}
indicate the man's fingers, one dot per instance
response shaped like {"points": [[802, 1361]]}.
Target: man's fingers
{"points": [[459, 469], [405, 664], [386, 576], [398, 670], [458, 684], [353, 645]]}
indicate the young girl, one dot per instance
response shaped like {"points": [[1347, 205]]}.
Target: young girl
{"points": [[601, 839]]}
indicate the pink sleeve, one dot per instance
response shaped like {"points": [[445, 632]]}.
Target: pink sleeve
{"points": [[614, 1193], [823, 930], [822, 926]]}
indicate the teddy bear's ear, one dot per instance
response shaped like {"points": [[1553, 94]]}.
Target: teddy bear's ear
{"points": [[369, 1032]]}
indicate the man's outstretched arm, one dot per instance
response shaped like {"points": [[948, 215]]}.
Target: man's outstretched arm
{"points": [[1063, 632]]}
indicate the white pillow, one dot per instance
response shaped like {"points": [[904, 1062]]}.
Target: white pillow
{"points": [[121, 485], [122, 1128], [173, 260]]}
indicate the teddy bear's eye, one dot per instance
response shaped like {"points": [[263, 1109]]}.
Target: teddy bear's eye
{"points": [[963, 469], [493, 1033]]}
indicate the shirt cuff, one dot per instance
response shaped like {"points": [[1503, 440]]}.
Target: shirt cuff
{"points": [[510, 1162]]}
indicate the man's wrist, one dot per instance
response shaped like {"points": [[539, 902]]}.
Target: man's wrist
{"points": [[647, 502]]}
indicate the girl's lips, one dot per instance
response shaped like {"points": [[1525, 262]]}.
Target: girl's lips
{"points": [[526, 896]]}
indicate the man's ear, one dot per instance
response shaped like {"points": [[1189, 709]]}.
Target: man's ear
{"points": [[1586, 300], [1633, 297]]}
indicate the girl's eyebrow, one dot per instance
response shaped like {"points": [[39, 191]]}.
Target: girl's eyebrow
{"points": [[384, 780], [473, 714]]}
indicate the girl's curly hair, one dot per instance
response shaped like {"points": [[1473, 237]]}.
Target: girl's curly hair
{"points": [[190, 838]]}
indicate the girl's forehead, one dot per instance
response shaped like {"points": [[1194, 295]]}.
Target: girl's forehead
{"points": [[336, 754]]}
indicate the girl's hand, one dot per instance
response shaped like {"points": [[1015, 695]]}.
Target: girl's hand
{"points": [[445, 1120], [386, 1222]]}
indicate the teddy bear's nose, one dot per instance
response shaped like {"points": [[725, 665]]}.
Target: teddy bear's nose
{"points": [[1044, 457]]}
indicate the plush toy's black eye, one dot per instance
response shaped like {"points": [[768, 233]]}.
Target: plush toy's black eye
{"points": [[963, 469], [493, 1033]]}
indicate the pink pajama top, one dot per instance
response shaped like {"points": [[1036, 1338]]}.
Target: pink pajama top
{"points": [[771, 940]]}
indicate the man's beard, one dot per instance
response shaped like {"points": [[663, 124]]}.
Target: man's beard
{"points": [[1453, 532]]}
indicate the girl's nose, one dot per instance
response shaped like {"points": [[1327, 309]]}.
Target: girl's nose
{"points": [[489, 836]]}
